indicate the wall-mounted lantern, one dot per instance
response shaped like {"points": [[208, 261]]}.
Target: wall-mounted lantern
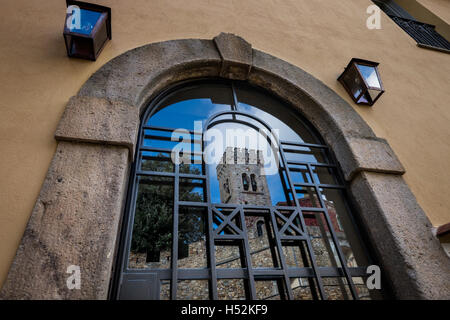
{"points": [[362, 81], [87, 29]]}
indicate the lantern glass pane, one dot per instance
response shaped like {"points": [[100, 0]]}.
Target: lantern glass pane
{"points": [[81, 47], [373, 93], [353, 81], [370, 75], [364, 98], [88, 19]]}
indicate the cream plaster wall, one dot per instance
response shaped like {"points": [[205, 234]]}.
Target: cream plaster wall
{"points": [[320, 36], [435, 12], [441, 8]]}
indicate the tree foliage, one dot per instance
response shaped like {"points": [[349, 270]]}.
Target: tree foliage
{"points": [[153, 223]]}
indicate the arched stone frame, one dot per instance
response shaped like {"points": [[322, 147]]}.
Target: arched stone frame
{"points": [[77, 215]]}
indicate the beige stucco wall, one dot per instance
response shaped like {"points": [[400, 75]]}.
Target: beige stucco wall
{"points": [[441, 8], [435, 12], [37, 79]]}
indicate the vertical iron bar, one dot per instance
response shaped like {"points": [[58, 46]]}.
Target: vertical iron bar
{"points": [[285, 188], [272, 242], [251, 278], [211, 245], [135, 188], [334, 237], [310, 280], [287, 280], [281, 290], [308, 240], [235, 100], [234, 103], [174, 283]]}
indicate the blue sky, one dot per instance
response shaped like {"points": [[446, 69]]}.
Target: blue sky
{"points": [[183, 114]]}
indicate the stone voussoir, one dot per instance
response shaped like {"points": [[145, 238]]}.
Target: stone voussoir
{"points": [[236, 54]]}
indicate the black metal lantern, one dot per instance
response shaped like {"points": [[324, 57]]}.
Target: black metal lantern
{"points": [[362, 81], [87, 29]]}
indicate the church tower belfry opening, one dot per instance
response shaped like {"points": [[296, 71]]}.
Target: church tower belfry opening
{"points": [[241, 177]]}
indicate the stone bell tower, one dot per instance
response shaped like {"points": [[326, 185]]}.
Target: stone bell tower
{"points": [[241, 177]]}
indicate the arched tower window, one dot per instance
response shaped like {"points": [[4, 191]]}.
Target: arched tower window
{"points": [[259, 228], [253, 182], [226, 186], [245, 182], [186, 238]]}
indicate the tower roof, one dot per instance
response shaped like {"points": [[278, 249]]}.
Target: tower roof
{"points": [[235, 155]]}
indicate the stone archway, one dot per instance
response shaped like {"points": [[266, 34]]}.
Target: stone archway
{"points": [[77, 216]]}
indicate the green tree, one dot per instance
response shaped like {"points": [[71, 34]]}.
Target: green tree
{"points": [[152, 230]]}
